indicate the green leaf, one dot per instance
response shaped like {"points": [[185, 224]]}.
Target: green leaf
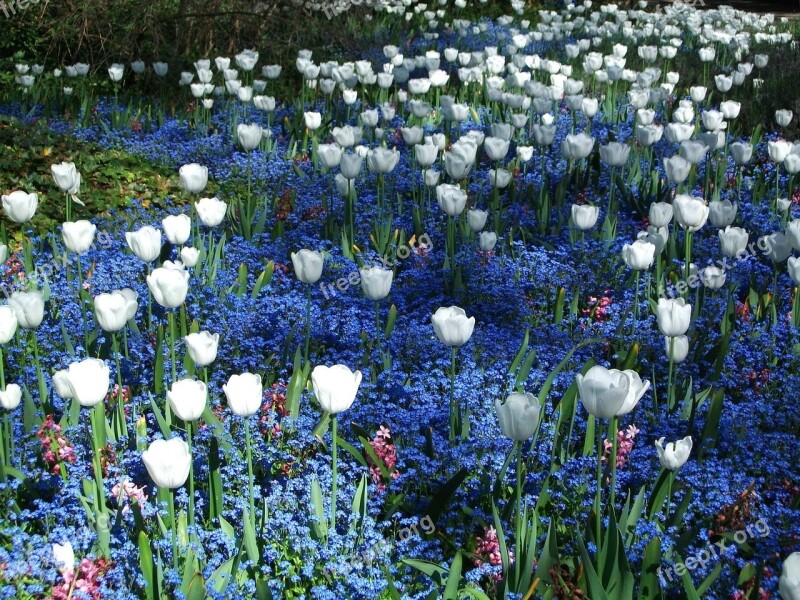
{"points": [[264, 279], [688, 584], [221, 577], [649, 588], [215, 487], [162, 423], [425, 567], [453, 578], [549, 555], [523, 349], [594, 586], [250, 543], [297, 384], [146, 565], [320, 527], [321, 428], [659, 494], [359, 506], [712, 577], [711, 429], [377, 460], [227, 528], [352, 451], [390, 321], [443, 495], [501, 540]]}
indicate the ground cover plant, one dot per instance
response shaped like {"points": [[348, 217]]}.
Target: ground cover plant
{"points": [[498, 308]]}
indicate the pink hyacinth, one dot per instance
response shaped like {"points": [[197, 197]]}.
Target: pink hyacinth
{"points": [[625, 438]]}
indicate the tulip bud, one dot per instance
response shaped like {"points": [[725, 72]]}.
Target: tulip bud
{"points": [[674, 316], [789, 583], [20, 206], [11, 396], [168, 462], [690, 212], [249, 136], [211, 211], [61, 384], [487, 241], [675, 454], [677, 348], [639, 256], [307, 265], [518, 416], [177, 228], [111, 311], [585, 216], [78, 236], [603, 391], [8, 324], [145, 243], [202, 347], [169, 286], [677, 169], [244, 393], [187, 397], [452, 326], [89, 380], [615, 154], [376, 282], [713, 277], [335, 387], [312, 120], [476, 219], [28, 308], [452, 199], [190, 256], [722, 213], [351, 164], [425, 154], [330, 155], [194, 178], [432, 177]]}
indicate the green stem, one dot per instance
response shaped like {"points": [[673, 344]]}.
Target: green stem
{"points": [[334, 469], [121, 422], [455, 409], [2, 371], [308, 323], [670, 373], [519, 491], [614, 430], [83, 307], [249, 445], [599, 491], [172, 342], [636, 305], [97, 422], [174, 525], [687, 257], [191, 474]]}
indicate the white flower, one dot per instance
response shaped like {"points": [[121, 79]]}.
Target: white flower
{"points": [[335, 387], [675, 454]]}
